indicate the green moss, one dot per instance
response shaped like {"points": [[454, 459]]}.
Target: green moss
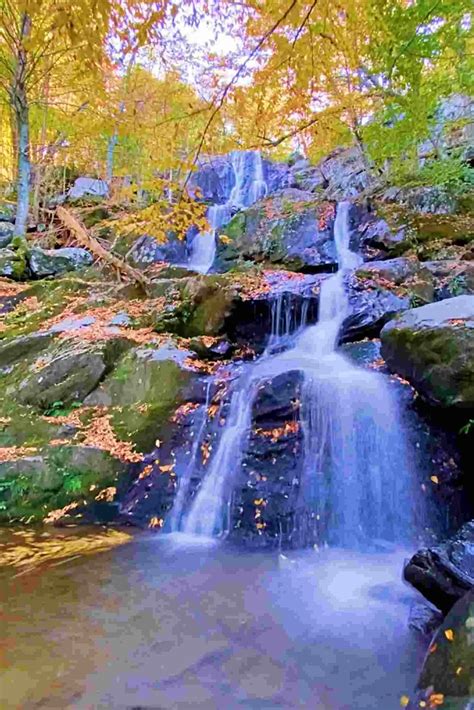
{"points": [[30, 487]]}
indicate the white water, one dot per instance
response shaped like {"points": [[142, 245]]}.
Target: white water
{"points": [[357, 477], [249, 187]]}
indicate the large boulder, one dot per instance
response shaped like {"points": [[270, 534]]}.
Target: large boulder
{"points": [[433, 347], [289, 228], [15, 349], [146, 385], [52, 262]]}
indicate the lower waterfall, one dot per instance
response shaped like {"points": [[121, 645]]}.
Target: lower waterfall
{"points": [[356, 471]]}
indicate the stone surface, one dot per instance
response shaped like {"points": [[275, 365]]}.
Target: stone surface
{"points": [[433, 347], [69, 374], [147, 251], [16, 349], [52, 262], [7, 230], [445, 572], [393, 270], [448, 669], [285, 229], [13, 264], [88, 187]]}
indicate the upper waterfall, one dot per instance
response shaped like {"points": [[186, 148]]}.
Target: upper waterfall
{"points": [[248, 186]]}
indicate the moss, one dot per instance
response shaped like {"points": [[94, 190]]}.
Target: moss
{"points": [[30, 487]]}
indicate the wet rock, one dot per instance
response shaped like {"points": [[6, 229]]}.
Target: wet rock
{"points": [[424, 619], [370, 309], [448, 669], [13, 264], [433, 347], [265, 509], [52, 262], [88, 187], [444, 573], [69, 374], [210, 348]]}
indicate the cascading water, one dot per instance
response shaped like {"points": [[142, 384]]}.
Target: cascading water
{"points": [[249, 187], [357, 477]]}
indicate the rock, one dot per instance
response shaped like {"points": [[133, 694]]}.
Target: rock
{"points": [[32, 486], [433, 347], [7, 212], [393, 270], [210, 348], [448, 669], [270, 477], [286, 229], [370, 309], [380, 235], [452, 277], [213, 180], [146, 251], [424, 619], [444, 573], [143, 390], [13, 264], [69, 374], [7, 230], [434, 200], [11, 351], [88, 187], [51, 262]]}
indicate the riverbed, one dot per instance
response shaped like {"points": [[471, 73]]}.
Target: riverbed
{"points": [[164, 622]]}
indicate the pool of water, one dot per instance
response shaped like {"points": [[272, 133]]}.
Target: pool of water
{"points": [[163, 622]]}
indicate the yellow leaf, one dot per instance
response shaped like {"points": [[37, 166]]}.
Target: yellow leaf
{"points": [[449, 633], [404, 700], [435, 479], [458, 670]]}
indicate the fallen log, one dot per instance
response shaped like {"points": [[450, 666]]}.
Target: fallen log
{"points": [[86, 240]]}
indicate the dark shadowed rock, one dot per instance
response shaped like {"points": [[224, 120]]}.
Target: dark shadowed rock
{"points": [[433, 347], [7, 230], [444, 573], [424, 619]]}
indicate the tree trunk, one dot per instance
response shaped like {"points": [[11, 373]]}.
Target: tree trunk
{"points": [[19, 102], [112, 142], [24, 169]]}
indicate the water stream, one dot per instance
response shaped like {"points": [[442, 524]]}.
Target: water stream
{"points": [[249, 186], [357, 475]]}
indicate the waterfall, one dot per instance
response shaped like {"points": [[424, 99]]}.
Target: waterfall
{"points": [[357, 476], [249, 187]]}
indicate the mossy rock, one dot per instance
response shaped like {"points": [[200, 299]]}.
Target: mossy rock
{"points": [[141, 392], [69, 373], [433, 347], [13, 264], [32, 486]]}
